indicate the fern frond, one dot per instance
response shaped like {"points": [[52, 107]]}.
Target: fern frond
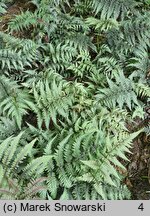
{"points": [[102, 24], [50, 100], [113, 8], [2, 8], [37, 166], [121, 92], [15, 106]]}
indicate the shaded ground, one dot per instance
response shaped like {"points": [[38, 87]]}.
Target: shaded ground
{"points": [[138, 169], [13, 10]]}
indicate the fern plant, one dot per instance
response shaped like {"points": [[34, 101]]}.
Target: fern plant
{"points": [[74, 75], [14, 168], [23, 192]]}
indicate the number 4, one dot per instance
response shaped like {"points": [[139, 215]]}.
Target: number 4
{"points": [[141, 207]]}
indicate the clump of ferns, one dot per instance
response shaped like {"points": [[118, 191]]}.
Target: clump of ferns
{"points": [[18, 190]]}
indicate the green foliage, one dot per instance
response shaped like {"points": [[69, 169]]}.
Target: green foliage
{"points": [[73, 74], [14, 168], [2, 8], [13, 100], [50, 100], [123, 91], [112, 8], [16, 191], [17, 53]]}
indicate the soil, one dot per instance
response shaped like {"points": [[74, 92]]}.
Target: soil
{"points": [[139, 169], [14, 9]]}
